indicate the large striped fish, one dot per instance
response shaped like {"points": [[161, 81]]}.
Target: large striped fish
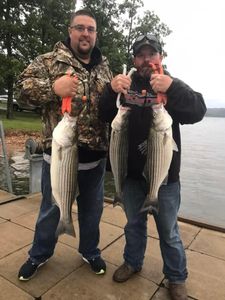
{"points": [[64, 165], [160, 148], [118, 151]]}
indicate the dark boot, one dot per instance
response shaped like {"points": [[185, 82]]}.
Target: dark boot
{"points": [[124, 272], [178, 291]]}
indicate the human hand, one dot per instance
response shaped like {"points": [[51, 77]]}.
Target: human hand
{"points": [[160, 82], [121, 83], [66, 86]]}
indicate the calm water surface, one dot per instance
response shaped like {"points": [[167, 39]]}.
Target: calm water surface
{"points": [[203, 171]]}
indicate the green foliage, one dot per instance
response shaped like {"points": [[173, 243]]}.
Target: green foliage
{"points": [[118, 26], [27, 29]]}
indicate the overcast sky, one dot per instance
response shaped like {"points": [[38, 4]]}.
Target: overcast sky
{"points": [[196, 47]]}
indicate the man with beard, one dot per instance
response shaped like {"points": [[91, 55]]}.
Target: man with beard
{"points": [[44, 82], [185, 106]]}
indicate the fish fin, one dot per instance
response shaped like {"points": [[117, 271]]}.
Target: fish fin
{"points": [[165, 180], [166, 137], [67, 228], [77, 192], [175, 148], [54, 201]]}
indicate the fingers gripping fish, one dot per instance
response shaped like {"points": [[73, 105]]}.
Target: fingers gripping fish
{"points": [[158, 69]]}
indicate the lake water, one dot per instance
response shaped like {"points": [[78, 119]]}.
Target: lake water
{"points": [[202, 172]]}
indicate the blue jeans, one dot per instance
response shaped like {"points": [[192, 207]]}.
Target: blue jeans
{"points": [[90, 207], [172, 250]]}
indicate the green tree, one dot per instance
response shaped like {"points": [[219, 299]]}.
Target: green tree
{"points": [[110, 38], [27, 29], [119, 23]]}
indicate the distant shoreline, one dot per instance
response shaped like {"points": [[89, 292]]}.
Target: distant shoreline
{"points": [[215, 112]]}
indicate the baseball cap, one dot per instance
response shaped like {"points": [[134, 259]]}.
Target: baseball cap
{"points": [[147, 39]]}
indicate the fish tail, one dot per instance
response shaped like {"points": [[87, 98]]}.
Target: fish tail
{"points": [[118, 201], [67, 228], [150, 205]]}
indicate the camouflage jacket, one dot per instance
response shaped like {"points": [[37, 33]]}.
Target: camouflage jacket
{"points": [[34, 86], [92, 132]]}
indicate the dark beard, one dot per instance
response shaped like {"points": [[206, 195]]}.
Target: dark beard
{"points": [[145, 72], [84, 53]]}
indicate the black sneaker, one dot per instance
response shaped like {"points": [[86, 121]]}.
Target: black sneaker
{"points": [[29, 270], [97, 265]]}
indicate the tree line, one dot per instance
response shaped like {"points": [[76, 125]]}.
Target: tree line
{"points": [[32, 27]]}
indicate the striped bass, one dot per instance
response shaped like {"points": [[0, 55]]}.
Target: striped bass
{"points": [[118, 151], [160, 148], [64, 166]]}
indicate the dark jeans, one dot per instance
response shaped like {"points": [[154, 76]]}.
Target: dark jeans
{"points": [[172, 250], [90, 207]]}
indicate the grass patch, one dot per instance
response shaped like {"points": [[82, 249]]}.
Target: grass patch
{"points": [[22, 121]]}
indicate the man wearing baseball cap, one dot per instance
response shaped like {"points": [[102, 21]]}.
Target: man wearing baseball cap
{"points": [[185, 106]]}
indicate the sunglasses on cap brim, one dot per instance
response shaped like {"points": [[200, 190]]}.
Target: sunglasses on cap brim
{"points": [[149, 37]]}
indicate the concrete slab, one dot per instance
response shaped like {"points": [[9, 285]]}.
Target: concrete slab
{"points": [[19, 208], [161, 294], [35, 196], [5, 196], [152, 230], [152, 268], [66, 276], [210, 242], [13, 237], [29, 220], [64, 261], [114, 216], [10, 291], [84, 285], [206, 276], [187, 232], [108, 233], [70, 240], [2, 220]]}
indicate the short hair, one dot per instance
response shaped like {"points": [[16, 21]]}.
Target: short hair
{"points": [[82, 12]]}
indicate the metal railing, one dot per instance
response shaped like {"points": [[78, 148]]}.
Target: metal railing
{"points": [[4, 159]]}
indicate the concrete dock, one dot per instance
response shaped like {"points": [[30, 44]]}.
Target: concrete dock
{"points": [[66, 276]]}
